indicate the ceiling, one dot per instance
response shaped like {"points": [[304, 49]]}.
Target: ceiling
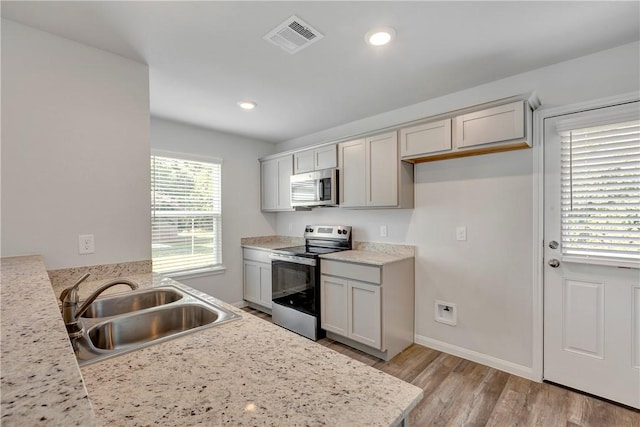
{"points": [[203, 57]]}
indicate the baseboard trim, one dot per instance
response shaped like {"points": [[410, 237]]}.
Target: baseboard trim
{"points": [[474, 356]]}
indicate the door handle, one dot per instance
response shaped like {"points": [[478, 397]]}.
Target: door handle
{"points": [[554, 263]]}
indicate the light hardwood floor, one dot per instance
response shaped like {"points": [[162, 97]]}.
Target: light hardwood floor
{"points": [[458, 392]]}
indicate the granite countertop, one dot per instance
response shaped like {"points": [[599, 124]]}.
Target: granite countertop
{"points": [[365, 257], [270, 242], [373, 253], [41, 383], [244, 372]]}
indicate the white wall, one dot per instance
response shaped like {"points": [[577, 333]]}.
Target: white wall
{"points": [[241, 216], [75, 150], [490, 276]]}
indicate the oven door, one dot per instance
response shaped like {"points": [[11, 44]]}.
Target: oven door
{"points": [[295, 282]]}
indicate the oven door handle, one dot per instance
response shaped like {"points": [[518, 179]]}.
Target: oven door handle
{"points": [[293, 259]]}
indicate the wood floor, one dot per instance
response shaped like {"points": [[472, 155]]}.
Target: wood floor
{"points": [[458, 392]]}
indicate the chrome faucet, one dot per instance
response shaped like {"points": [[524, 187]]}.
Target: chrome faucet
{"points": [[70, 300]]}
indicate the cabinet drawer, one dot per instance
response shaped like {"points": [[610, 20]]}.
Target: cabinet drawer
{"points": [[425, 139], [256, 255], [359, 272], [502, 123]]}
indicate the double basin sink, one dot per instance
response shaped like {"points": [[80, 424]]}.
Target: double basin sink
{"points": [[127, 322]]}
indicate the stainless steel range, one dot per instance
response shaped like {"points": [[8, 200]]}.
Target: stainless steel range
{"points": [[296, 278]]}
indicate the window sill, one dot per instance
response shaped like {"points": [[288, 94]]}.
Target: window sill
{"points": [[192, 274]]}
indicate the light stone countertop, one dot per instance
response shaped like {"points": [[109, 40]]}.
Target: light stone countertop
{"points": [[365, 257], [245, 372], [41, 384], [372, 253], [270, 242]]}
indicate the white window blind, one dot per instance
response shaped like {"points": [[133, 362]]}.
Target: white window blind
{"points": [[186, 215], [600, 173]]}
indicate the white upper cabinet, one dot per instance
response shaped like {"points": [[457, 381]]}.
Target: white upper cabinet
{"points": [[428, 138], [276, 183], [315, 159], [382, 172], [372, 175], [497, 124], [352, 178], [502, 126]]}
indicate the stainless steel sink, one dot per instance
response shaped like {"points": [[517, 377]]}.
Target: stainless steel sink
{"points": [[129, 322], [133, 301], [150, 325]]}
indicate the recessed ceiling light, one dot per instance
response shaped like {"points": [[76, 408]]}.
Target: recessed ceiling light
{"points": [[247, 105], [380, 36]]}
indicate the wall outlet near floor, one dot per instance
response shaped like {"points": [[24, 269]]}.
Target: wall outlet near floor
{"points": [[461, 233], [383, 231], [446, 312], [86, 244]]}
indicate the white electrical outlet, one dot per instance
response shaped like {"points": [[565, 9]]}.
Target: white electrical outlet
{"points": [[86, 244], [461, 233], [383, 231]]}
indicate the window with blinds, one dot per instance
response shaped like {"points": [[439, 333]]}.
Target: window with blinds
{"points": [[186, 214], [600, 193]]}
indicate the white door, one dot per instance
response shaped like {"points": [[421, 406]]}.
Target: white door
{"points": [[591, 254]]}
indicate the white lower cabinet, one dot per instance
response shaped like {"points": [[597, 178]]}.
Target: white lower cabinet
{"points": [[257, 277], [368, 307], [351, 309]]}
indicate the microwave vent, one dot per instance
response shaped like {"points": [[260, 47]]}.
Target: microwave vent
{"points": [[293, 35]]}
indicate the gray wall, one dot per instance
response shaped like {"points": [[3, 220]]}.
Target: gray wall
{"points": [[75, 150], [491, 275]]}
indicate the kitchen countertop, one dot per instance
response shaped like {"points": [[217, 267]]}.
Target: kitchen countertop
{"points": [[270, 242], [372, 253], [365, 257], [40, 382], [244, 372]]}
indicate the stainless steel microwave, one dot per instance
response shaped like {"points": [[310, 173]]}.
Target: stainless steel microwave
{"points": [[319, 188]]}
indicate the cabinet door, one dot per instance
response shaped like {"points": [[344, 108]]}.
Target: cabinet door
{"points": [[325, 157], [497, 124], [269, 184], [265, 285], [252, 281], [333, 305], [285, 170], [351, 161], [427, 138], [365, 314], [303, 161], [382, 170]]}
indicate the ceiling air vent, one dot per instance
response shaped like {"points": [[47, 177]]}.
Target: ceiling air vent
{"points": [[293, 35]]}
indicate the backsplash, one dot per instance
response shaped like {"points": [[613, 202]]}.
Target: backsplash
{"points": [[68, 276]]}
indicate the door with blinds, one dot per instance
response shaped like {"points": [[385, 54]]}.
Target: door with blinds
{"points": [[592, 252]]}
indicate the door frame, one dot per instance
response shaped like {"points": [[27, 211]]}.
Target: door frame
{"points": [[539, 116]]}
